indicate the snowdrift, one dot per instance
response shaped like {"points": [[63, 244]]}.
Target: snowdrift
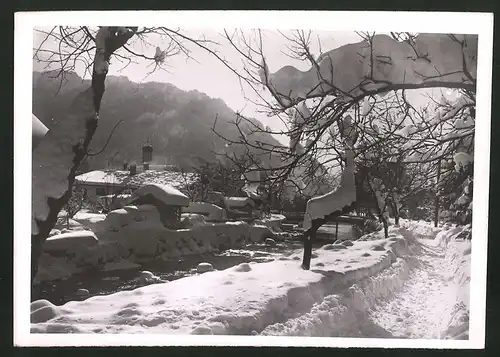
{"points": [[245, 299], [274, 222], [209, 210], [458, 260], [455, 320], [135, 234], [336, 297]]}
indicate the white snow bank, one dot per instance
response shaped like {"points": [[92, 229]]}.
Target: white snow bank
{"points": [[89, 220], [342, 314], [421, 229], [457, 254], [70, 242], [273, 222], [136, 234], [455, 325], [238, 300], [209, 210]]}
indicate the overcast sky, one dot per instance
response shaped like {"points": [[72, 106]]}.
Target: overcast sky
{"points": [[208, 75]]}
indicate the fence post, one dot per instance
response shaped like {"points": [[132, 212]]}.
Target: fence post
{"points": [[336, 229]]}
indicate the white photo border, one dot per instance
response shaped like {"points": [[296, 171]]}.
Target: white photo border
{"points": [[430, 22]]}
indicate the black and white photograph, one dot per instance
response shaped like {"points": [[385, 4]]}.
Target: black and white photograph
{"points": [[249, 179]]}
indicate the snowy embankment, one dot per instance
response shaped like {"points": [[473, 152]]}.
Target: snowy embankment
{"points": [[402, 286], [248, 298], [435, 301], [133, 235], [458, 263]]}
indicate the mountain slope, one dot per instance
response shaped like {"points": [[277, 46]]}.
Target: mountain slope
{"points": [[177, 123]]}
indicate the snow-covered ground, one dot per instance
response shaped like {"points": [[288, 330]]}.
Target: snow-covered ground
{"points": [[136, 234], [398, 287], [434, 302]]}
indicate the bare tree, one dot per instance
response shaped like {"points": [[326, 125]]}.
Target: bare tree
{"points": [[59, 154], [309, 103]]}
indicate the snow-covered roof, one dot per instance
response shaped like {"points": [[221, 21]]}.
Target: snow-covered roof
{"points": [[238, 201], [125, 179], [165, 193]]}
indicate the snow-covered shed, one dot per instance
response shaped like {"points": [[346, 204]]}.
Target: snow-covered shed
{"points": [[167, 199]]}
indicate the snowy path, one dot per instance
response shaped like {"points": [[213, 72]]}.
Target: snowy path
{"points": [[419, 308], [400, 287]]}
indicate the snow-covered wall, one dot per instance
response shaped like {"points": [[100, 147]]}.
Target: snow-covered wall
{"points": [[136, 234]]}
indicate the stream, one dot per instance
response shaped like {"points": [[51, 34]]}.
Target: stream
{"points": [[108, 282]]}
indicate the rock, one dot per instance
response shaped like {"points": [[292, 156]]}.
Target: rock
{"points": [[378, 247], [204, 267], [334, 247], [202, 330], [314, 255], [146, 275], [270, 242], [347, 243], [366, 254], [82, 292], [320, 264], [243, 267]]}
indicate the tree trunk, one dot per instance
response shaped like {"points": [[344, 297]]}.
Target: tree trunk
{"points": [[436, 198], [396, 214], [84, 114], [309, 238], [386, 226]]}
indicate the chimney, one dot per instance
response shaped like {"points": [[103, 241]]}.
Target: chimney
{"points": [[133, 169], [147, 156]]}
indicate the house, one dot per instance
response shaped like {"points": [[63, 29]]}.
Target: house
{"points": [[112, 183]]}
